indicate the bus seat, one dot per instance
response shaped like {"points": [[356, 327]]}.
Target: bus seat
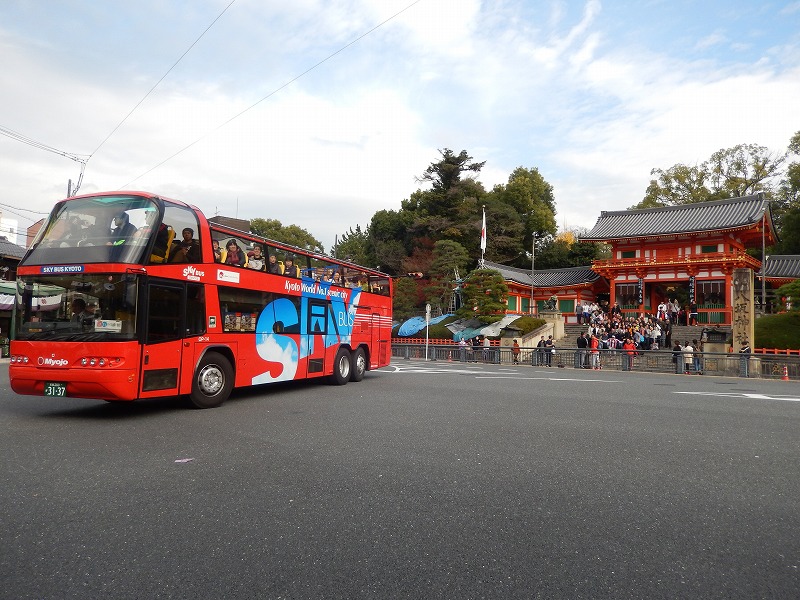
{"points": [[157, 257]]}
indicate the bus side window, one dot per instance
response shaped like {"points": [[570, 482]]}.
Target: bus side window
{"points": [[165, 310], [195, 309]]}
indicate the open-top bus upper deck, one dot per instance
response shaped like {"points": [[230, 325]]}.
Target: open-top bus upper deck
{"points": [[151, 289]]}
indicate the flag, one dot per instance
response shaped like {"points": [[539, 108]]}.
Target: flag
{"points": [[483, 232]]}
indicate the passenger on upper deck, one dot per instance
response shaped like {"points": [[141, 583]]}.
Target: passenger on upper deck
{"points": [[234, 255], [123, 229], [187, 250], [289, 269], [255, 260], [274, 266], [217, 251]]}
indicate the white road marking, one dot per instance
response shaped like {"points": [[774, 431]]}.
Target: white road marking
{"points": [[548, 378], [505, 373], [745, 396]]}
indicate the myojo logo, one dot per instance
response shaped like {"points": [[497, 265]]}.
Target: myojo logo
{"points": [[52, 361]]}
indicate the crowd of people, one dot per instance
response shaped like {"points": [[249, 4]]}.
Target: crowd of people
{"points": [[611, 330]]}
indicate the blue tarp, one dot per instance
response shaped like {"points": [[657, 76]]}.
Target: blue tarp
{"points": [[492, 330], [416, 324]]}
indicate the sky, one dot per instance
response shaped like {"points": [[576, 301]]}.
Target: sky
{"points": [[319, 113]]}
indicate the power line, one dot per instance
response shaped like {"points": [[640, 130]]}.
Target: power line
{"points": [[275, 91], [36, 212], [41, 146], [113, 131], [80, 157]]}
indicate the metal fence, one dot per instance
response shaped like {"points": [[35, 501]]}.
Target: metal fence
{"points": [[654, 361]]}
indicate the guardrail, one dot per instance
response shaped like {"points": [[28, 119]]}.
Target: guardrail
{"points": [[761, 366]]}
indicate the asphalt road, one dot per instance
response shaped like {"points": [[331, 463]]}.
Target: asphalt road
{"points": [[423, 481]]}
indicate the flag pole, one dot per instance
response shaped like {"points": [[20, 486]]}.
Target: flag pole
{"points": [[481, 263], [533, 259]]}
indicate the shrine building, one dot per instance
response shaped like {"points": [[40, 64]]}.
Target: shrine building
{"points": [[686, 253]]}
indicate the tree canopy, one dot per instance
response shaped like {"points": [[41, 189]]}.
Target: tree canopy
{"points": [[288, 234], [728, 173], [485, 293]]}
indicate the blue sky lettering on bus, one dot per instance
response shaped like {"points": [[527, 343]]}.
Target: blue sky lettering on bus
{"points": [[344, 313], [62, 269], [335, 320], [279, 350]]}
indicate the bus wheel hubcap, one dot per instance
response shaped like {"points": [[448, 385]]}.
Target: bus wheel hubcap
{"points": [[210, 380]]}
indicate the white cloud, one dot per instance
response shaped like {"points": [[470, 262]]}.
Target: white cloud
{"points": [[714, 39], [547, 85], [791, 8]]}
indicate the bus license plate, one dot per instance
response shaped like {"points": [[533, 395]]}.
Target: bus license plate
{"points": [[55, 388]]}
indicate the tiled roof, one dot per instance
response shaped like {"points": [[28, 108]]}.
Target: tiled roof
{"points": [[9, 250], [546, 278], [785, 266], [687, 218]]}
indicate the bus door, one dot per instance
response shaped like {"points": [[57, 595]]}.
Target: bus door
{"points": [[317, 337], [163, 339], [377, 346]]}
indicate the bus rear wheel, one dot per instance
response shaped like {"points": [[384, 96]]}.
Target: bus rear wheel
{"points": [[359, 366], [341, 367], [213, 381]]}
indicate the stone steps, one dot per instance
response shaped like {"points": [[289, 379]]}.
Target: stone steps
{"points": [[680, 333]]}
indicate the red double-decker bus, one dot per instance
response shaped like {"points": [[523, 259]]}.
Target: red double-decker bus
{"points": [[129, 295]]}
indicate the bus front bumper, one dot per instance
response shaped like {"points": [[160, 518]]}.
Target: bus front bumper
{"points": [[101, 384]]}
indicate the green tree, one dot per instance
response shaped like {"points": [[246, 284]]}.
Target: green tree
{"points": [[288, 234], [566, 250], [405, 301], [790, 289], [354, 246], [388, 236], [731, 172], [553, 253], [448, 258], [485, 295], [401, 241], [787, 212], [505, 232], [446, 173], [532, 199], [744, 169], [680, 184]]}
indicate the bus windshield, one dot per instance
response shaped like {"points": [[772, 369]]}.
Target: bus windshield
{"points": [[80, 307], [98, 229]]}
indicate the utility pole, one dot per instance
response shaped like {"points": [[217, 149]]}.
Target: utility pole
{"points": [[533, 262]]}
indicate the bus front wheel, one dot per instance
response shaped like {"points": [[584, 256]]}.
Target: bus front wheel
{"points": [[341, 367], [213, 381], [359, 366]]}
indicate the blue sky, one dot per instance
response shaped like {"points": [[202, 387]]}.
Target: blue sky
{"points": [[594, 94]]}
